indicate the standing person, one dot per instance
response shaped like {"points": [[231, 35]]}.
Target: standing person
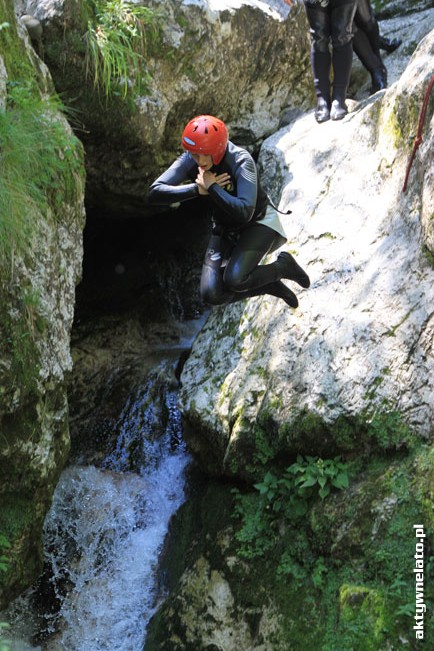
{"points": [[245, 229], [331, 22], [366, 44]]}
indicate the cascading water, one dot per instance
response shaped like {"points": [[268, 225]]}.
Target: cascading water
{"points": [[104, 534], [112, 506]]}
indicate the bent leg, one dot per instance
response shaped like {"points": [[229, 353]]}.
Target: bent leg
{"points": [[244, 277], [212, 288], [242, 272], [366, 21], [364, 51]]}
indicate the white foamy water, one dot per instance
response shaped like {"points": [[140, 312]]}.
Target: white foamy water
{"points": [[103, 536]]}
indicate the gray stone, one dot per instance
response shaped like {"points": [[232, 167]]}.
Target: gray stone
{"points": [[246, 62], [360, 347]]}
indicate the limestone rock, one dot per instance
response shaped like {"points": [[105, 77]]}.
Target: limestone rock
{"points": [[244, 61], [354, 365], [334, 578], [37, 296]]}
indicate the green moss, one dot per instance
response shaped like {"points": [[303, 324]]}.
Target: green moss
{"points": [[14, 54], [24, 556], [265, 434], [377, 428], [20, 347], [16, 514], [321, 590], [429, 255], [401, 123]]}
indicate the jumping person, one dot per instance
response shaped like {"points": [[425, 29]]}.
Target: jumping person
{"points": [[224, 176]]}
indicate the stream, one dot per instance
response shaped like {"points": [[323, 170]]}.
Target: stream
{"points": [[127, 473], [102, 538]]}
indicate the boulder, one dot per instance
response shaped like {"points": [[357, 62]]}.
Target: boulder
{"points": [[352, 368], [244, 61], [41, 249]]}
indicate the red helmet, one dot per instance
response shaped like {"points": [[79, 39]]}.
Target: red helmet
{"points": [[207, 135]]}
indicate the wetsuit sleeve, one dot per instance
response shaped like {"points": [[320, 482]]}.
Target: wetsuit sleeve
{"points": [[240, 206], [170, 187]]}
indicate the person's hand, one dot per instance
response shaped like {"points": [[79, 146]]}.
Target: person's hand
{"points": [[205, 179]]}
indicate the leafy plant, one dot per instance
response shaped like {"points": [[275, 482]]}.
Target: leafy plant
{"points": [[300, 481], [285, 498], [4, 545], [116, 44]]}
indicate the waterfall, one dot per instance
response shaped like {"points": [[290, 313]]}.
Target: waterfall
{"points": [[104, 533]]}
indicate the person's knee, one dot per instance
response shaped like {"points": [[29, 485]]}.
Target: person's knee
{"points": [[234, 279], [320, 37], [320, 43], [342, 23], [319, 30], [342, 38], [212, 296]]}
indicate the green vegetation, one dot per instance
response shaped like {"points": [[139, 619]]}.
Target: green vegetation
{"points": [[117, 42], [285, 498], [16, 59], [4, 546], [338, 578], [41, 167], [379, 427], [341, 569]]}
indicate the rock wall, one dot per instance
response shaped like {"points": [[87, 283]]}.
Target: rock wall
{"points": [[338, 578], [349, 372], [357, 356], [37, 296], [245, 61]]}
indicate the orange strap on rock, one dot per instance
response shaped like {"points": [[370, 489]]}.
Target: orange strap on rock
{"points": [[418, 139]]}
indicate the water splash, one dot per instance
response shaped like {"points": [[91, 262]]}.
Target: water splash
{"points": [[105, 530]]}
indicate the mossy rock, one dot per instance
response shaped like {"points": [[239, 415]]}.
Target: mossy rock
{"points": [[21, 527], [339, 579]]}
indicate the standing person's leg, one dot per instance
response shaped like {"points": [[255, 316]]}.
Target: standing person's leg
{"points": [[374, 65], [366, 44], [342, 17], [366, 21], [319, 23]]}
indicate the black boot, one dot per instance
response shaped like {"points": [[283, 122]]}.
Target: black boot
{"points": [[282, 291], [379, 80], [276, 288], [322, 111], [389, 44], [338, 110], [291, 270]]}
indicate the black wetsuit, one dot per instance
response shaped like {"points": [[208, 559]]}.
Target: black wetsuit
{"points": [[331, 21], [238, 242], [366, 43]]}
